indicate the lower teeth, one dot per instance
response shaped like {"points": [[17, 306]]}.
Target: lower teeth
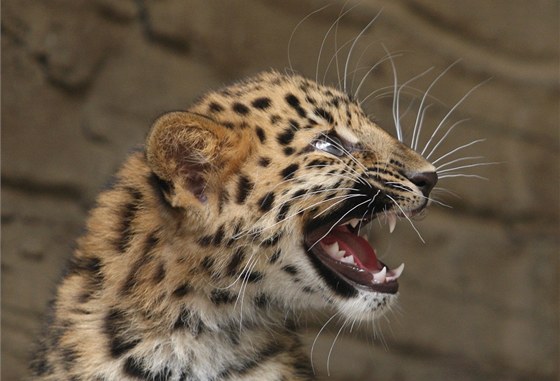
{"points": [[380, 277]]}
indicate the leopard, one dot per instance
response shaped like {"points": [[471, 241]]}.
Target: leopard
{"points": [[237, 213]]}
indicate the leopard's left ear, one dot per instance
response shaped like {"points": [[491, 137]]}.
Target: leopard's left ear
{"points": [[194, 153]]}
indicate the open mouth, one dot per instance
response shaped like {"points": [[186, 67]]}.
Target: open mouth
{"points": [[350, 256]]}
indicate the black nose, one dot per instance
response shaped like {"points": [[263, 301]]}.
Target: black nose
{"points": [[424, 180]]}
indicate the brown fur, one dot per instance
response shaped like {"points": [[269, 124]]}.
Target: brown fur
{"points": [[192, 260]]}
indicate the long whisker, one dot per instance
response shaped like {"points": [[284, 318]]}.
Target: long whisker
{"points": [[336, 49], [414, 143], [317, 337], [336, 223], [348, 173], [451, 112], [459, 160], [420, 107], [395, 88], [307, 194], [296, 28], [350, 176], [445, 190], [325, 39], [469, 166], [398, 96], [334, 59], [356, 93], [338, 202], [358, 68], [463, 175], [445, 136], [332, 346], [354, 44], [343, 197], [244, 283], [408, 218], [238, 276], [458, 149], [399, 186], [281, 204], [339, 146]]}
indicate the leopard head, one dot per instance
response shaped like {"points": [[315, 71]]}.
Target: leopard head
{"points": [[292, 172]]}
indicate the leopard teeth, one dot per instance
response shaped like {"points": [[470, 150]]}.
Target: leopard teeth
{"points": [[396, 273], [381, 276], [354, 222], [332, 249], [349, 259], [340, 254], [392, 220]]}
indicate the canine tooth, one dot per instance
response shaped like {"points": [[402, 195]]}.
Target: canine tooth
{"points": [[396, 273], [380, 276], [332, 249], [392, 220], [349, 259], [354, 222], [340, 254]]}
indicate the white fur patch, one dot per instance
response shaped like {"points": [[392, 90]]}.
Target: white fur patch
{"points": [[346, 133]]}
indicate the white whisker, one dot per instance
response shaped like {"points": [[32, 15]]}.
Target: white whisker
{"points": [[469, 166], [317, 337], [395, 98], [294, 31], [408, 218], [449, 114], [445, 136], [463, 175], [459, 160], [337, 222], [332, 346], [403, 188], [396, 103], [353, 45], [334, 59], [338, 202], [343, 197], [358, 68], [445, 190], [356, 93], [458, 149], [414, 142], [339, 146], [325, 39], [417, 123]]}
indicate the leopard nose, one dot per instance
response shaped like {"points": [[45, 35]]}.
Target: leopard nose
{"points": [[425, 181]]}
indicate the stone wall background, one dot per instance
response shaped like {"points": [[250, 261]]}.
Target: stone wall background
{"points": [[83, 80]]}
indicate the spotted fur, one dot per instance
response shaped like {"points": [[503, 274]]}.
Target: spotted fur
{"points": [[193, 258]]}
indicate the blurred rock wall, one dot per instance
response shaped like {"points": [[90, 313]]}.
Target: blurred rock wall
{"points": [[83, 80]]}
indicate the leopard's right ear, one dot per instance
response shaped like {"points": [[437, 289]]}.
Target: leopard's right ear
{"points": [[194, 152]]}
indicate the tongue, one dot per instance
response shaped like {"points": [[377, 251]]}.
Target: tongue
{"points": [[359, 248]]}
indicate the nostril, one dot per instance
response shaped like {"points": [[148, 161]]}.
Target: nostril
{"points": [[425, 181]]}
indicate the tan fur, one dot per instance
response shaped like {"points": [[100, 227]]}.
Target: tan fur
{"points": [[194, 258]]}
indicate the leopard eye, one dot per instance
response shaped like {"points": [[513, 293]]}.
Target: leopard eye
{"points": [[330, 144]]}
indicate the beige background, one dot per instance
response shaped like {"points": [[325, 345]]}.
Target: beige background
{"points": [[82, 81]]}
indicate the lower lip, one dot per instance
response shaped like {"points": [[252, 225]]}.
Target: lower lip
{"points": [[365, 281]]}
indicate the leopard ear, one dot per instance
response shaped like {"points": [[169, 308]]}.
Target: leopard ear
{"points": [[193, 152]]}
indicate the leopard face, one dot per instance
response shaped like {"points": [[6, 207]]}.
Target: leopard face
{"points": [[279, 176]]}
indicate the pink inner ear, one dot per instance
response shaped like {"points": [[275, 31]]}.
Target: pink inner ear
{"points": [[196, 184]]}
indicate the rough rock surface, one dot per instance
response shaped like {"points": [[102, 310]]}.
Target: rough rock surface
{"points": [[83, 80]]}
